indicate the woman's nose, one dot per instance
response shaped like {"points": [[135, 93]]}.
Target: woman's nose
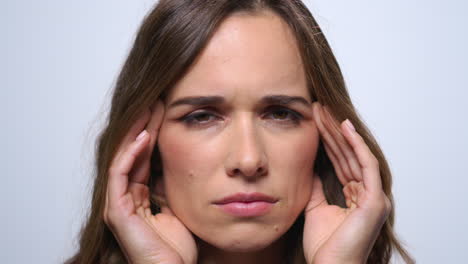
{"points": [[247, 157]]}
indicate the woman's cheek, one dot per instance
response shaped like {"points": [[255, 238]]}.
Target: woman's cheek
{"points": [[305, 147], [175, 153], [189, 161]]}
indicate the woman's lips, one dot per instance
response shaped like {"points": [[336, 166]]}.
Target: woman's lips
{"points": [[246, 204]]}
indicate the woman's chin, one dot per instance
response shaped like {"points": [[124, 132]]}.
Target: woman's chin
{"points": [[241, 245], [244, 238]]}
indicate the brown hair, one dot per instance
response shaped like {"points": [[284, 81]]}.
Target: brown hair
{"points": [[168, 41]]}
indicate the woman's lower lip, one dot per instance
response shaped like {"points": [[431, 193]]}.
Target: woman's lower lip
{"points": [[246, 209]]}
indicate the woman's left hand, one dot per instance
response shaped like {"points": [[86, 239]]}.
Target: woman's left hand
{"points": [[345, 235]]}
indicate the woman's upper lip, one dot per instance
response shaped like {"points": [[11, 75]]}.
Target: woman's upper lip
{"points": [[246, 198]]}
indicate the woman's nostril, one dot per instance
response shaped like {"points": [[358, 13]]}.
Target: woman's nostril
{"points": [[253, 173]]}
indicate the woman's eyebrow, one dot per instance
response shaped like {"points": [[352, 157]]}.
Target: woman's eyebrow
{"points": [[285, 100], [217, 100], [198, 101]]}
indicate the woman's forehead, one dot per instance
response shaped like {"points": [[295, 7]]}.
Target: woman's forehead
{"points": [[254, 52]]}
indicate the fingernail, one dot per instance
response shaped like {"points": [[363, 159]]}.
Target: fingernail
{"points": [[350, 125], [141, 135]]}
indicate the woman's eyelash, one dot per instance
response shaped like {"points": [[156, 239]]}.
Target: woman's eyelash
{"points": [[291, 115], [200, 118]]}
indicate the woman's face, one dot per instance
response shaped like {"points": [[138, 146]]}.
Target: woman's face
{"points": [[238, 141]]}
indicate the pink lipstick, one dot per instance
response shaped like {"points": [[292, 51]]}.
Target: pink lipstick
{"points": [[246, 204]]}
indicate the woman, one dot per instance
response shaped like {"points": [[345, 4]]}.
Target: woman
{"points": [[226, 144]]}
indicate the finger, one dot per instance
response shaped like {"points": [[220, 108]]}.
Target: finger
{"points": [[344, 148], [339, 163], [137, 127], [337, 167], [119, 170], [368, 162], [352, 191], [157, 116], [140, 194], [333, 145], [141, 170]]}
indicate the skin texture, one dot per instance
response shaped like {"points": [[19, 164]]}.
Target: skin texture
{"points": [[219, 151], [243, 144]]}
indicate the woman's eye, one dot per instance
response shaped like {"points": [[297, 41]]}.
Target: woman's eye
{"points": [[282, 114], [199, 118], [278, 114]]}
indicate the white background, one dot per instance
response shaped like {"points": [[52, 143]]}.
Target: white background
{"points": [[405, 63]]}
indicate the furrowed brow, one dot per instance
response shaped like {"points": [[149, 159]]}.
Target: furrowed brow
{"points": [[285, 100], [198, 101]]}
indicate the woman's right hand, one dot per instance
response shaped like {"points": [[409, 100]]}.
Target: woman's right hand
{"points": [[143, 237]]}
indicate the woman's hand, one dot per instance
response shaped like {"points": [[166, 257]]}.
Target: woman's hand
{"points": [[345, 235], [143, 237]]}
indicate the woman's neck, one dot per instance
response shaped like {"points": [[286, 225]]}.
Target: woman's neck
{"points": [[275, 253]]}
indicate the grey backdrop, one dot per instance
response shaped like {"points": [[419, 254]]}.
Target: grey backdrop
{"points": [[405, 63]]}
